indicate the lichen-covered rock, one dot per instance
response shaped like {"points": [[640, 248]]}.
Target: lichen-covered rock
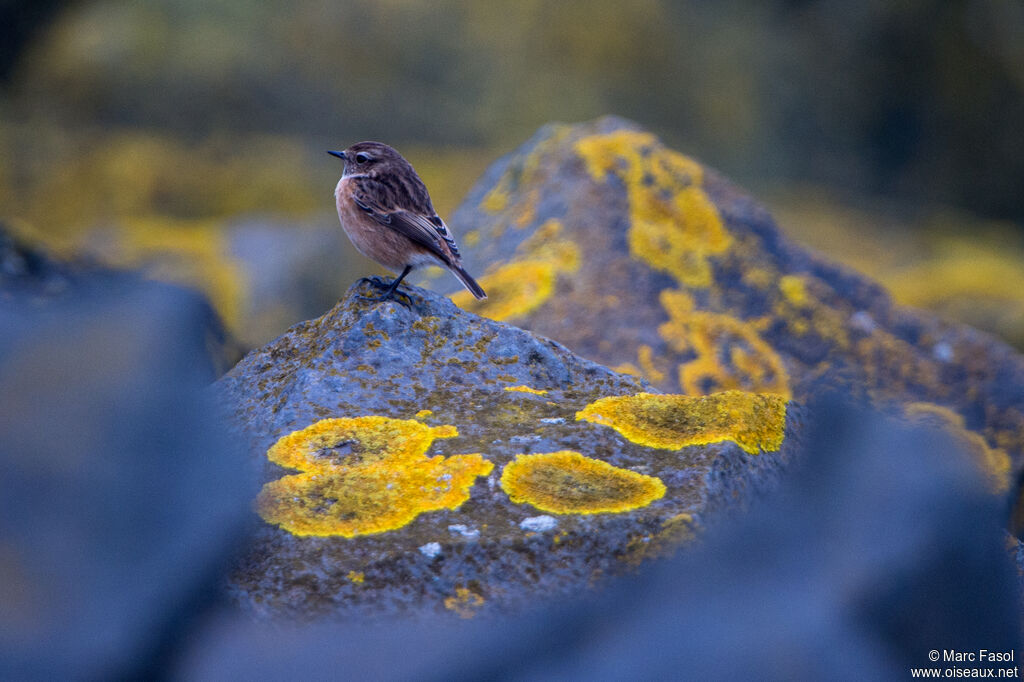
{"points": [[638, 257], [423, 457]]}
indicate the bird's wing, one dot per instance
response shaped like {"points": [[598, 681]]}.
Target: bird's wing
{"points": [[429, 231]]}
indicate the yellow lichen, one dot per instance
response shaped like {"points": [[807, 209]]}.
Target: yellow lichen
{"points": [[794, 289], [674, 226], [628, 368], [513, 290], [422, 414], [645, 356], [356, 577], [730, 354], [754, 421], [566, 482], [994, 463], [364, 475], [527, 389], [496, 199], [464, 602], [525, 283]]}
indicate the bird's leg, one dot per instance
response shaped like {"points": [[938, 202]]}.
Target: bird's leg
{"points": [[391, 290]]}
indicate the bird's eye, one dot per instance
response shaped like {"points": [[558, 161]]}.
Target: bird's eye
{"points": [[362, 158]]}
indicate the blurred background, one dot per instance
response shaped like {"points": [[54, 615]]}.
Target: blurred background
{"points": [[187, 137]]}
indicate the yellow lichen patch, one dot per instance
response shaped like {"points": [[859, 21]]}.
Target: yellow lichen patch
{"points": [[527, 389], [804, 313], [464, 602], [794, 289], [513, 290], [645, 356], [566, 482], [628, 368], [496, 200], [364, 475], [356, 577], [422, 414], [754, 421], [522, 285], [994, 463], [730, 354], [674, 225]]}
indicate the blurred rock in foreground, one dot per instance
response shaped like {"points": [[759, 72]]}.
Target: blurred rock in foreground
{"points": [[883, 546], [638, 257], [122, 497], [394, 442]]}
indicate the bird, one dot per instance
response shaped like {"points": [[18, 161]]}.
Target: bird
{"points": [[386, 211]]}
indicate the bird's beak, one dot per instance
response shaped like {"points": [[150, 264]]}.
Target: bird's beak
{"points": [[340, 155]]}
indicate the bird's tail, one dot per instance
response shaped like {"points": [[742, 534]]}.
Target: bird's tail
{"points": [[468, 282]]}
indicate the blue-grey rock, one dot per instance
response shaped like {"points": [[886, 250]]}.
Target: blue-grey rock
{"points": [[122, 498]]}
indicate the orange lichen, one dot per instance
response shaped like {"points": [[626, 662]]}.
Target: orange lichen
{"points": [[754, 421], [364, 475], [525, 283], [527, 389], [994, 463], [566, 482], [729, 352], [674, 225], [464, 602]]}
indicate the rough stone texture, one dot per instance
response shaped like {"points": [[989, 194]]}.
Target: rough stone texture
{"points": [[651, 263], [121, 496], [368, 358]]}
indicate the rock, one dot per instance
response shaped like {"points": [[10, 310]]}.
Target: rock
{"points": [[640, 258], [880, 547], [123, 497], [380, 427]]}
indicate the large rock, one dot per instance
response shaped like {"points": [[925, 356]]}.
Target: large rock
{"points": [[393, 442], [638, 257]]}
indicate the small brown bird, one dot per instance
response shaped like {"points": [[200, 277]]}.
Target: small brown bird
{"points": [[386, 212]]}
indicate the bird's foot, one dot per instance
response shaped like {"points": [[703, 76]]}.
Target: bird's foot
{"points": [[397, 296], [376, 281], [391, 292]]}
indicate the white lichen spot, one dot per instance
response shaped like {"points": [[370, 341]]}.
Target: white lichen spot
{"points": [[464, 530], [553, 420], [538, 524], [431, 550]]}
